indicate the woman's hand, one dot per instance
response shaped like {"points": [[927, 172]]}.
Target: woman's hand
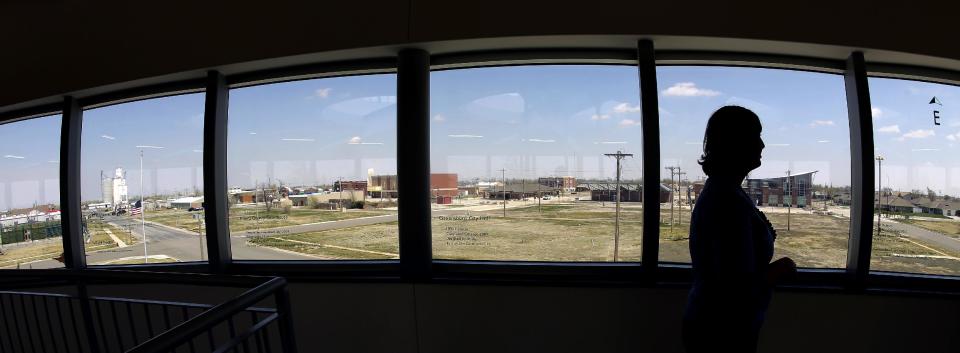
{"points": [[782, 269]]}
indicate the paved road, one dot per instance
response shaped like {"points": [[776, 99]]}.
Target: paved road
{"points": [[176, 243], [935, 239]]}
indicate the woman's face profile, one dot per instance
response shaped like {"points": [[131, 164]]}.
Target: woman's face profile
{"points": [[755, 150]]}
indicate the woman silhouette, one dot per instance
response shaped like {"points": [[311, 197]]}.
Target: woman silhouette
{"points": [[731, 242]]}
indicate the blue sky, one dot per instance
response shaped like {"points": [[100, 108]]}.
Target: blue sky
{"points": [[530, 120], [29, 162], [804, 118], [917, 154]]}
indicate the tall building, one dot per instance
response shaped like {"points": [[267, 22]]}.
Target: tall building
{"points": [[115, 188]]}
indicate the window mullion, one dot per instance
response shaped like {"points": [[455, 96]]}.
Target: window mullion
{"points": [[413, 163], [646, 65], [216, 208], [70, 215], [861, 167]]}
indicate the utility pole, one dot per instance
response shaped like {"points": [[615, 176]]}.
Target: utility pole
{"points": [[503, 177], [672, 197], [539, 198], [340, 186], [200, 232], [616, 228], [679, 192], [789, 203], [143, 209], [880, 189]]}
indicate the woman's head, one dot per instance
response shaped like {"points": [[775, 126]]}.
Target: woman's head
{"points": [[731, 143]]}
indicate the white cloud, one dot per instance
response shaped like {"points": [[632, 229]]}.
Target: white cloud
{"points": [[462, 136], [509, 102], [629, 122], [14, 157], [924, 149], [253, 133], [149, 146], [823, 141], [778, 144], [954, 137], [876, 112], [626, 108], [599, 117], [108, 137], [610, 143], [53, 161], [891, 129], [689, 89], [356, 140], [322, 92], [540, 140], [439, 118], [919, 134], [816, 123], [198, 151], [297, 140]]}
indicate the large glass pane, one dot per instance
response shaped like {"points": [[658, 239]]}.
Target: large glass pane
{"points": [[917, 138], [803, 183], [30, 194], [141, 177], [524, 163], [312, 169]]}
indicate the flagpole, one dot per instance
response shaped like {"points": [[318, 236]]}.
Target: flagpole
{"points": [[143, 226]]}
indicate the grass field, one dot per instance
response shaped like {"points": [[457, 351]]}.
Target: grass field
{"points": [[584, 232], [242, 219], [378, 241], [53, 247]]}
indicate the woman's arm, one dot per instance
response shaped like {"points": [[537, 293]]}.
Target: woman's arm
{"points": [[782, 269]]}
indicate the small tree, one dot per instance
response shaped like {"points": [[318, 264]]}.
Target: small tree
{"points": [[286, 205]]}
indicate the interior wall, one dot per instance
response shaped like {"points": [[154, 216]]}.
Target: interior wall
{"points": [[463, 318]]}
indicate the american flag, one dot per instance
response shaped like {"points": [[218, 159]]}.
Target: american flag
{"points": [[137, 208]]}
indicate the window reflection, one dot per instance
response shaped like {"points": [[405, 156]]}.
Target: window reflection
{"points": [[312, 170]]}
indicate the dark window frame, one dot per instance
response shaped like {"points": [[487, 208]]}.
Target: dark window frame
{"points": [[856, 277]]}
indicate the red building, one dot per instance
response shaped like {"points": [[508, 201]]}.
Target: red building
{"points": [[443, 184], [350, 185]]}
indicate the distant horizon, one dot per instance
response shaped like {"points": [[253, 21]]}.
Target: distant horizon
{"points": [[532, 121]]}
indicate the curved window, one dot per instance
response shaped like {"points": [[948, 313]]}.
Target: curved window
{"points": [[141, 178], [312, 169], [917, 139], [522, 163], [803, 183], [30, 234]]}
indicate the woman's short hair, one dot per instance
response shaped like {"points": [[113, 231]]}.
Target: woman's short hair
{"points": [[727, 130]]}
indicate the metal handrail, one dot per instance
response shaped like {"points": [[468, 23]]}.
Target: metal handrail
{"points": [[184, 332], [204, 321]]}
